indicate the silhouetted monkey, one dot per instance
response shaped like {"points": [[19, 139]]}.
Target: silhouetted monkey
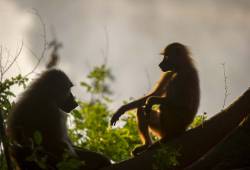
{"points": [[42, 108], [177, 93]]}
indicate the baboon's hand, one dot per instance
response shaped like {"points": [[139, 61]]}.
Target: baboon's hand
{"points": [[116, 117]]}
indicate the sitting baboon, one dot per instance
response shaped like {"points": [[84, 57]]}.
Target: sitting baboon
{"points": [[177, 93], [43, 109]]}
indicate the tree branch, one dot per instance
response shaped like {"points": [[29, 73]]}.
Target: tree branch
{"points": [[195, 142]]}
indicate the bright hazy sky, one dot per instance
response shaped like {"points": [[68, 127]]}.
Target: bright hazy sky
{"points": [[215, 31]]}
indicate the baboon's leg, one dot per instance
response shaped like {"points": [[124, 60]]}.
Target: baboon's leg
{"points": [[143, 124], [173, 123], [146, 121]]}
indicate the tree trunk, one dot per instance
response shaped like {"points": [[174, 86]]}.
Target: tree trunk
{"points": [[196, 142], [231, 153]]}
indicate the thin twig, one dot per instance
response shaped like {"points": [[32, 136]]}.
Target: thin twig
{"points": [[226, 94], [44, 45], [32, 52], [18, 67], [8, 56], [14, 60]]}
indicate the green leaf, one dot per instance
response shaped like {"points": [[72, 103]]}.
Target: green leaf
{"points": [[37, 138]]}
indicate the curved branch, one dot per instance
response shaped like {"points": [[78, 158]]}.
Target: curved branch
{"points": [[195, 142], [39, 59]]}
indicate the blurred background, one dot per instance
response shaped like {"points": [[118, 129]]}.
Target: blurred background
{"points": [[128, 35]]}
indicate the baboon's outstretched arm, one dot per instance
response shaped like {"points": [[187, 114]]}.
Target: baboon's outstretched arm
{"points": [[156, 92]]}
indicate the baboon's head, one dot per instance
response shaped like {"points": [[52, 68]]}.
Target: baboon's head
{"points": [[175, 56]]}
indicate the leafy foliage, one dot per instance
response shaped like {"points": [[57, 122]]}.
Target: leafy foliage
{"points": [[98, 86], [6, 92], [38, 154], [6, 95], [69, 163], [91, 121], [165, 157], [198, 120]]}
